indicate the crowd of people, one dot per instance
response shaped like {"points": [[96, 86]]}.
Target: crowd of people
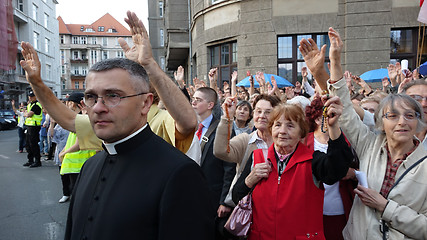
{"points": [[143, 157]]}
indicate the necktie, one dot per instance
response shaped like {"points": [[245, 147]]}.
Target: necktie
{"points": [[199, 131]]}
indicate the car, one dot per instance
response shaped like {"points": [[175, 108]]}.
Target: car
{"points": [[7, 119]]}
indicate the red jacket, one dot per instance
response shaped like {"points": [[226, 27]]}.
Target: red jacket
{"points": [[291, 208]]}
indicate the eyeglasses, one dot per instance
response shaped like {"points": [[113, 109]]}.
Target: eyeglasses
{"points": [[418, 98], [109, 100], [407, 116]]}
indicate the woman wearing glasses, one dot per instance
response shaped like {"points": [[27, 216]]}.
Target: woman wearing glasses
{"points": [[382, 210]]}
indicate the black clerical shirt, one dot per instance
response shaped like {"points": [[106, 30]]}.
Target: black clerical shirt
{"points": [[149, 190]]}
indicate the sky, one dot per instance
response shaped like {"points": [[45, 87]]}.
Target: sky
{"points": [[88, 11]]}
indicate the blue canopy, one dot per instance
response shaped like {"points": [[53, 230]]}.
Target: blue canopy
{"points": [[423, 69], [281, 81], [375, 75]]}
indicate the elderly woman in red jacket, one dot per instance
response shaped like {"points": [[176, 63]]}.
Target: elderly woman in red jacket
{"points": [[288, 190]]}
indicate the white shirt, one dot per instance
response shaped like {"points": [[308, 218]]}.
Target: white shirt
{"points": [[332, 203]]}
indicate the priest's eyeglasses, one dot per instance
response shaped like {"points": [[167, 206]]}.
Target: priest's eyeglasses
{"points": [[109, 100]]}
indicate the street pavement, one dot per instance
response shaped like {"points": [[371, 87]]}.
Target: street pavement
{"points": [[29, 207]]}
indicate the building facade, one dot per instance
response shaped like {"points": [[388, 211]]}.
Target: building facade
{"points": [[82, 45], [263, 35], [35, 22]]}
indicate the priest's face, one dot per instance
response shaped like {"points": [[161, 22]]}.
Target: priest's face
{"points": [[114, 120]]}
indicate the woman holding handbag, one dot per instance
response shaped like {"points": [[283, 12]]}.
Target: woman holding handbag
{"points": [[287, 197]]}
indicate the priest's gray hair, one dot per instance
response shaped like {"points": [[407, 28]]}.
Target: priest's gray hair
{"points": [[138, 74]]}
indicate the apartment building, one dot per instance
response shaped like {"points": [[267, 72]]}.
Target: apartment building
{"points": [[34, 22], [82, 45], [263, 35]]}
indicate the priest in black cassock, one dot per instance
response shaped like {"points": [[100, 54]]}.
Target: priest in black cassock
{"points": [[139, 187]]}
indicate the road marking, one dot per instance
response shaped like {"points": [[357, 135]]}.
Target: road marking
{"points": [[4, 156], [52, 230]]}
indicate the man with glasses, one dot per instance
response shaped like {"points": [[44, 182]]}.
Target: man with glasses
{"points": [[176, 125], [140, 186], [418, 90]]}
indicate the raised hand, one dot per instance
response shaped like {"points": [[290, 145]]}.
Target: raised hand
{"points": [[179, 77], [313, 56], [234, 77], [335, 55], [141, 51], [229, 105], [31, 63]]}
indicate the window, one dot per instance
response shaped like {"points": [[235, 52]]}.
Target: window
{"points": [[21, 5], [93, 40], [84, 71], [100, 29], [76, 85], [111, 30], [76, 70], [84, 84], [403, 45], [162, 38], [46, 20], [75, 55], [104, 41], [63, 84], [120, 54], [89, 30], [62, 55], [35, 10], [75, 40], [290, 60], [36, 40], [63, 69], [161, 9], [46, 45], [104, 55], [48, 72], [84, 57], [83, 40], [224, 57], [62, 39], [93, 56]]}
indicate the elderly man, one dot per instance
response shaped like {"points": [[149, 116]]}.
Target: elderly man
{"points": [[140, 186]]}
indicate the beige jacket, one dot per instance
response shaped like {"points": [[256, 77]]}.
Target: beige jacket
{"points": [[406, 212], [240, 151]]}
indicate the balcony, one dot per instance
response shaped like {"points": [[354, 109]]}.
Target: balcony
{"points": [[19, 16], [79, 60]]}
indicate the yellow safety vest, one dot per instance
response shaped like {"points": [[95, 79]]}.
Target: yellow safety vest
{"points": [[34, 120], [74, 161]]}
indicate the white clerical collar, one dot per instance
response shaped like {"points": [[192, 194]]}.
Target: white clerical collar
{"points": [[110, 147]]}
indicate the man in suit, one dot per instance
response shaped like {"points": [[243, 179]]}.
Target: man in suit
{"points": [[140, 187], [218, 173]]}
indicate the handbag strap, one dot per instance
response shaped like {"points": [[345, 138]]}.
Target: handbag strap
{"points": [[407, 170], [385, 228]]}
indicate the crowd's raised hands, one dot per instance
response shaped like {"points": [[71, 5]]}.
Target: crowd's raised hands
{"points": [[179, 77]]}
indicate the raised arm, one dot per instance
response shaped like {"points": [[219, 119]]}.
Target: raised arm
{"points": [[315, 60], [233, 84], [174, 100], [31, 64]]}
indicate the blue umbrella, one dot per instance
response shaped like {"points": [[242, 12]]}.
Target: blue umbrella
{"points": [[376, 75], [423, 69], [281, 81]]}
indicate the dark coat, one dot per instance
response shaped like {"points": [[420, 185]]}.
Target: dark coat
{"points": [[219, 173], [149, 190]]}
